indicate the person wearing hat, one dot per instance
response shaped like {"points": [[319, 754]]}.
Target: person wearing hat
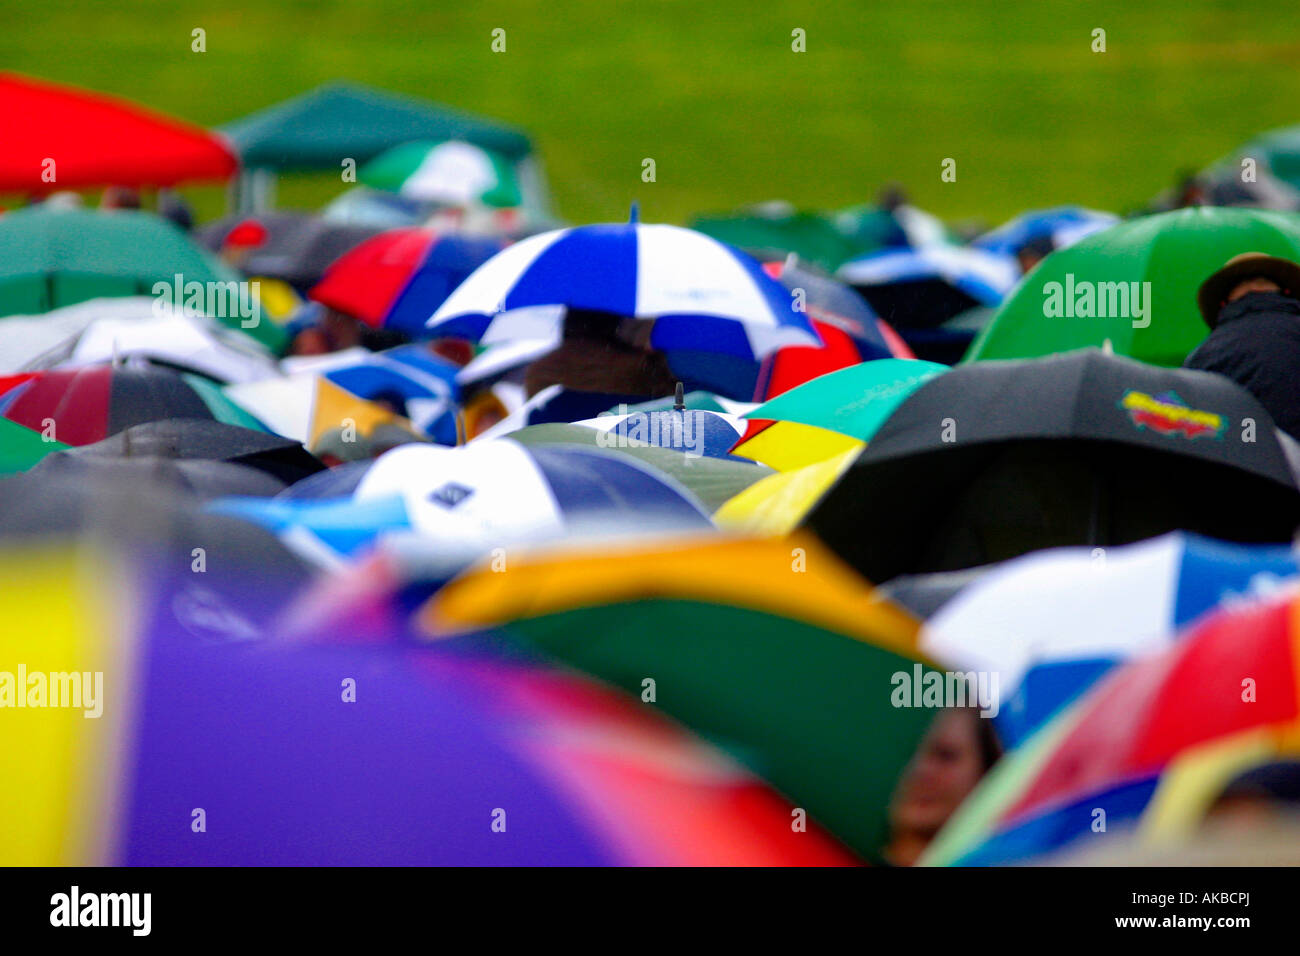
{"points": [[1252, 306]]}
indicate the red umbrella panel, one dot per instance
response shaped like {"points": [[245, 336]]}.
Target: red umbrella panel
{"points": [[67, 138]]}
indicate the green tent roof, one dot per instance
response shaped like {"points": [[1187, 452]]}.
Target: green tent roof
{"points": [[319, 129]]}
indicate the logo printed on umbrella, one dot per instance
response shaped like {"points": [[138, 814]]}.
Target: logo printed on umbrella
{"points": [[1168, 414], [450, 495]]}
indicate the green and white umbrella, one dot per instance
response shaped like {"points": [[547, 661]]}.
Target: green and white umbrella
{"points": [[451, 172]]}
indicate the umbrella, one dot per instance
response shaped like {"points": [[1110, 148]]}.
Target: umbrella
{"points": [[1052, 622], [850, 332], [924, 287], [84, 405], [703, 295], [97, 140], [55, 257], [467, 501], [1133, 285], [1063, 226], [712, 480], [1110, 750], [853, 401], [440, 758], [196, 439], [872, 228], [788, 446], [146, 330], [451, 172], [21, 447], [774, 230], [736, 642], [296, 247], [992, 460], [360, 206], [202, 478], [692, 432], [398, 278], [1278, 151], [776, 504]]}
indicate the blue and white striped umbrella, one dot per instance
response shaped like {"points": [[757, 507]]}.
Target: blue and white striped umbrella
{"points": [[1051, 623], [1063, 225], [694, 432], [704, 295], [466, 501], [983, 276]]}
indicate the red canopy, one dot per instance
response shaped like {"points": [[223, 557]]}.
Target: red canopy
{"points": [[97, 140]]}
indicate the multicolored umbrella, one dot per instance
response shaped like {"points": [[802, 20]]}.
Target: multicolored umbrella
{"points": [[1234, 677], [704, 296], [790, 446], [1133, 285], [60, 137], [771, 648], [853, 401], [996, 459], [465, 502], [295, 247], [692, 432], [1063, 226], [775, 505], [398, 278], [389, 755], [1053, 622], [451, 172], [83, 405]]}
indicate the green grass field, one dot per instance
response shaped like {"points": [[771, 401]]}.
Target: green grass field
{"points": [[715, 95]]}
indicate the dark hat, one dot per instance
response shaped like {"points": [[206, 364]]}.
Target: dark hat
{"points": [[1214, 291]]}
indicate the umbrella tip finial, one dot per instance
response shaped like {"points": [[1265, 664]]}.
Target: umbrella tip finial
{"points": [[1107, 348], [679, 398], [634, 216]]}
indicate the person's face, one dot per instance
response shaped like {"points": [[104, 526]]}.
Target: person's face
{"points": [[944, 770], [1257, 284]]}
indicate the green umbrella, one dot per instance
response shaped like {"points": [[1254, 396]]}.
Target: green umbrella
{"points": [[53, 258], [772, 231], [1133, 285], [20, 447], [1278, 150], [853, 401], [793, 664], [452, 172], [711, 480]]}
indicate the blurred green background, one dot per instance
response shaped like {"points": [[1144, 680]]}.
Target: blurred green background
{"points": [[713, 92]]}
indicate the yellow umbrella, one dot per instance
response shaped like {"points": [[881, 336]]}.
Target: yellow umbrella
{"points": [[776, 504], [786, 446]]}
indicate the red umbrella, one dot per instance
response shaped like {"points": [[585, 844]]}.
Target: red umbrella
{"points": [[96, 140], [367, 280]]}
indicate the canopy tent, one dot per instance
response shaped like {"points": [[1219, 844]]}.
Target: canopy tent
{"points": [[60, 137], [321, 128]]}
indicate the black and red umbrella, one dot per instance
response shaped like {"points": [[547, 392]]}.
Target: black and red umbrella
{"points": [[78, 406], [295, 247], [995, 459]]}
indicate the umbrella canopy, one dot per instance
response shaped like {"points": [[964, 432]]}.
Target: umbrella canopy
{"points": [[853, 401], [1110, 750], [467, 501], [202, 478], [1279, 151], [774, 230], [197, 439], [1133, 285], [704, 296], [21, 447], [97, 140], [84, 405], [698, 434], [398, 278], [776, 504], [296, 247], [442, 758], [1053, 622], [992, 460], [926, 286], [788, 446], [322, 127], [1063, 226], [778, 666], [139, 329], [56, 257], [712, 480], [451, 172]]}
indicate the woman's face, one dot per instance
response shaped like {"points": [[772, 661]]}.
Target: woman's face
{"points": [[944, 770]]}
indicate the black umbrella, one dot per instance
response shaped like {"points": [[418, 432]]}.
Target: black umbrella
{"points": [[996, 459], [293, 246], [203, 478], [203, 439]]}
